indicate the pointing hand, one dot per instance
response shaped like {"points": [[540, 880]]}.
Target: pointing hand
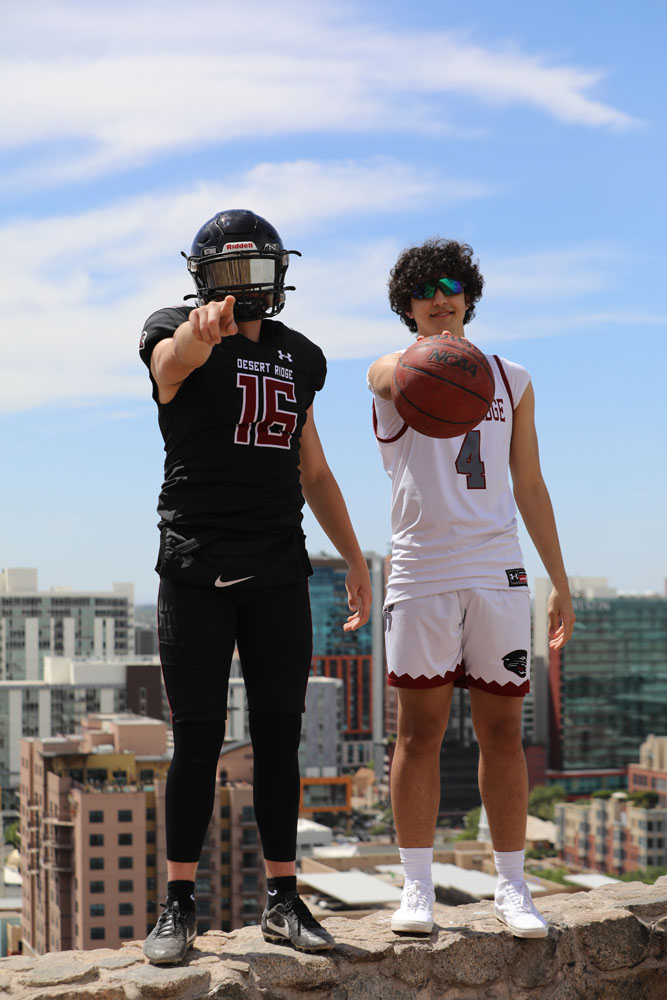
{"points": [[213, 321]]}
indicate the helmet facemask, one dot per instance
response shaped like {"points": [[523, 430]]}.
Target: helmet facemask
{"points": [[254, 279], [239, 253]]}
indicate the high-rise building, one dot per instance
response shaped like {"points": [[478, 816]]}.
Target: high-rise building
{"points": [[93, 844], [146, 640], [70, 690], [321, 747], [608, 686], [357, 658], [356, 676], [536, 710], [328, 604], [59, 622]]}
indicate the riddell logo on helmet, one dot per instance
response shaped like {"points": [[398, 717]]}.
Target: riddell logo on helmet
{"points": [[246, 245]]}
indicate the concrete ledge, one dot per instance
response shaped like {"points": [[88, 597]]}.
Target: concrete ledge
{"points": [[610, 944]]}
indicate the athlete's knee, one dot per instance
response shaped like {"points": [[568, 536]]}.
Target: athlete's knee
{"points": [[198, 744], [422, 722], [502, 736], [275, 734], [420, 741]]}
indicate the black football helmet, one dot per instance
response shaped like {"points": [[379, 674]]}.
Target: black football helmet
{"points": [[239, 253]]}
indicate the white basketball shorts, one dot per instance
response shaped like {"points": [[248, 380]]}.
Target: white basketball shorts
{"points": [[474, 638]]}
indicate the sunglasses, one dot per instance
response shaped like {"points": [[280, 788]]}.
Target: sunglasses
{"points": [[449, 286]]}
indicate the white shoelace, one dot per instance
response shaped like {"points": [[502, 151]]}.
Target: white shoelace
{"points": [[417, 896], [519, 897]]}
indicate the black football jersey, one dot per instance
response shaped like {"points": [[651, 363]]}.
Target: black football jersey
{"points": [[231, 499]]}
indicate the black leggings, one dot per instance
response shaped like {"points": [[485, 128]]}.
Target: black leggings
{"points": [[190, 789], [198, 628]]}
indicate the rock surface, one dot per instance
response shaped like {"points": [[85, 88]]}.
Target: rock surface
{"points": [[610, 944]]}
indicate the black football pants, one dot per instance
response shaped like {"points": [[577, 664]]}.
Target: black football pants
{"points": [[198, 629]]}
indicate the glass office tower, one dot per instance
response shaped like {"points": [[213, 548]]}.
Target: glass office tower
{"points": [[609, 684]]}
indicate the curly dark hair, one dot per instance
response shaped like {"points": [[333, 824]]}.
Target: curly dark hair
{"points": [[429, 262]]}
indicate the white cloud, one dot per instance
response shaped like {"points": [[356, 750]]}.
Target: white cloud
{"points": [[119, 87], [81, 285], [566, 273], [536, 323]]}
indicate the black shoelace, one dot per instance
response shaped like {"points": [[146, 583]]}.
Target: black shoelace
{"points": [[297, 906], [171, 917]]}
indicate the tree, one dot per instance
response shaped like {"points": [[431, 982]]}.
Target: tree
{"points": [[12, 835], [645, 800], [550, 874], [647, 875], [543, 798], [538, 853], [385, 826], [472, 825]]}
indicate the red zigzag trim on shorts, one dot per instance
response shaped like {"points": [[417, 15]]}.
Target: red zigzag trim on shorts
{"points": [[407, 681], [460, 679]]}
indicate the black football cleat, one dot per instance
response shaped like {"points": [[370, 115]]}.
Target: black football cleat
{"points": [[291, 921], [172, 935]]}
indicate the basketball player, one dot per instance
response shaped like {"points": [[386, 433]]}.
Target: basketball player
{"points": [[234, 390], [457, 607]]}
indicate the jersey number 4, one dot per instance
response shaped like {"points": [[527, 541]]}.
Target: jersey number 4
{"points": [[275, 427], [469, 462]]}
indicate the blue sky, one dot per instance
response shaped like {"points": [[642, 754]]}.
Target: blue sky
{"points": [[535, 132]]}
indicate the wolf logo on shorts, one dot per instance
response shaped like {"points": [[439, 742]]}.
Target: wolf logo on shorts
{"points": [[516, 661]]}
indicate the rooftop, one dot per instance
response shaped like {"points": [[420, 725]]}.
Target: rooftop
{"points": [[352, 888]]}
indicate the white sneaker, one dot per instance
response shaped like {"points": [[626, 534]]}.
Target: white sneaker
{"points": [[514, 906], [416, 910]]}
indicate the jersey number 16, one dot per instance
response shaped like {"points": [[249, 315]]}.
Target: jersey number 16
{"points": [[275, 427]]}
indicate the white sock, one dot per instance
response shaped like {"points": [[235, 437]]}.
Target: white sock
{"points": [[417, 863], [509, 865]]}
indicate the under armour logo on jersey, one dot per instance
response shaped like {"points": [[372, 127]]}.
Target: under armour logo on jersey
{"points": [[516, 661], [517, 577], [284, 356]]}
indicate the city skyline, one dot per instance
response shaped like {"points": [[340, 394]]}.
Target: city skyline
{"points": [[539, 146]]}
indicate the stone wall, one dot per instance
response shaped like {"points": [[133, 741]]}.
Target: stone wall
{"points": [[610, 944]]}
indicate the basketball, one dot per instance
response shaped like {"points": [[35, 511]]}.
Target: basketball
{"points": [[443, 386]]}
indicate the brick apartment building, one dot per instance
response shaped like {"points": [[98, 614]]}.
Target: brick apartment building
{"points": [[93, 853], [650, 774], [71, 689], [614, 835], [611, 835]]}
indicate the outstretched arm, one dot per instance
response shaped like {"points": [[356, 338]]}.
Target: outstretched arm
{"points": [[176, 357], [381, 374], [532, 499], [325, 499]]}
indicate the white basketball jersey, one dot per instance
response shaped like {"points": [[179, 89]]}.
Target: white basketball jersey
{"points": [[453, 514]]}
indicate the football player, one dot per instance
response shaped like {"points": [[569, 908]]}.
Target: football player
{"points": [[458, 605], [234, 389]]}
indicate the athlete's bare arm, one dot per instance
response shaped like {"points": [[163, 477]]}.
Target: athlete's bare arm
{"points": [[176, 357], [381, 373], [532, 499], [325, 499]]}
